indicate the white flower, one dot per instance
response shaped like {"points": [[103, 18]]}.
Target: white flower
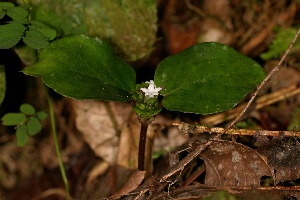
{"points": [[152, 90]]}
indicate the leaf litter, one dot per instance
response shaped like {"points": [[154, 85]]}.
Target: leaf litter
{"points": [[250, 32]]}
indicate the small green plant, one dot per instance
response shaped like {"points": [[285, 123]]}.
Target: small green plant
{"points": [[36, 35], [280, 43], [27, 122], [205, 78], [33, 33]]}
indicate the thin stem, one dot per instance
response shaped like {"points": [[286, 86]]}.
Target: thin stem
{"points": [[142, 146], [53, 126]]}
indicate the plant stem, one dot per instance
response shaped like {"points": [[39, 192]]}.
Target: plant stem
{"points": [[142, 145], [53, 126]]}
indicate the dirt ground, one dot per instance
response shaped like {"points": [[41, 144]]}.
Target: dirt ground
{"points": [[99, 140]]}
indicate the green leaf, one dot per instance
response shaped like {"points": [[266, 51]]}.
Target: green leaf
{"points": [[6, 5], [84, 68], [2, 83], [10, 35], [21, 21], [35, 40], [42, 115], [43, 29], [34, 126], [13, 119], [48, 32], [2, 14], [206, 78], [38, 24], [17, 13], [27, 109], [22, 136]]}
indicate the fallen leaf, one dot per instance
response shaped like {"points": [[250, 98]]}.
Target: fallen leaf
{"points": [[233, 164], [97, 128], [129, 144], [283, 158], [131, 184]]}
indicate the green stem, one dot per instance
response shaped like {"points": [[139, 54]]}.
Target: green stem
{"points": [[53, 126]]}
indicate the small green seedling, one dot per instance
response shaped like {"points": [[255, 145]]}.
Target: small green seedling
{"points": [[205, 78], [27, 122], [33, 33]]}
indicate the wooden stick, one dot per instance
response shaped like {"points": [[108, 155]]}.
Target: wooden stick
{"points": [[198, 129]]}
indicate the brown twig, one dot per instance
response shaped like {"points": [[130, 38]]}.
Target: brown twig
{"points": [[198, 129], [164, 176], [263, 83], [194, 8]]}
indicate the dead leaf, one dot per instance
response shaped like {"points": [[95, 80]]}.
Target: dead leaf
{"points": [[97, 170], [129, 144], [283, 158], [94, 122], [233, 164], [133, 182]]}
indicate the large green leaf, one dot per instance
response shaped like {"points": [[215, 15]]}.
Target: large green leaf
{"points": [[84, 68], [206, 78]]}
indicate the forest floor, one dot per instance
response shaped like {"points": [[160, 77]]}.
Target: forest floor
{"points": [[99, 140]]}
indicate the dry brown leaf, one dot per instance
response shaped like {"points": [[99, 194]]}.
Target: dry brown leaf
{"points": [[94, 122], [233, 164], [131, 184], [283, 158], [129, 144], [97, 170]]}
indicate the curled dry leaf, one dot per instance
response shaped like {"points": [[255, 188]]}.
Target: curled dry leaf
{"points": [[283, 158], [233, 164]]}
